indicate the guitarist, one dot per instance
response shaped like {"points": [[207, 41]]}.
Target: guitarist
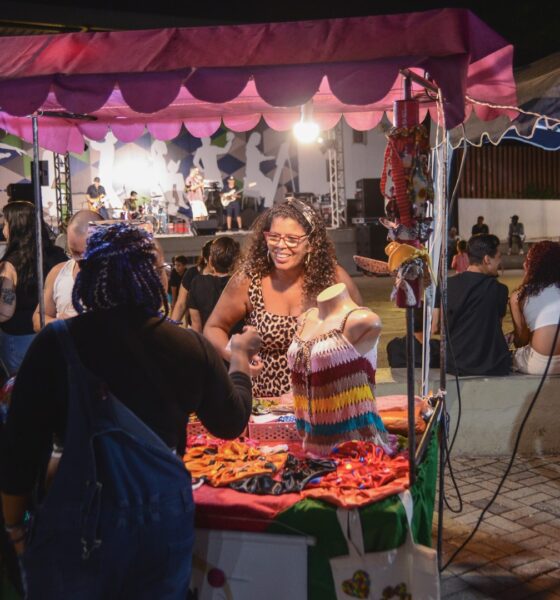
{"points": [[231, 203], [95, 195]]}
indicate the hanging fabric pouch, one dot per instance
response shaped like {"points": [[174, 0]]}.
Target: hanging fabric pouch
{"points": [[408, 572]]}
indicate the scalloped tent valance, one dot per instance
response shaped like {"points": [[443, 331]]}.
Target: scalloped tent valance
{"points": [[538, 93], [159, 80]]}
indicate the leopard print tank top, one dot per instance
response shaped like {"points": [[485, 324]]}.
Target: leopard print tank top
{"points": [[277, 332]]}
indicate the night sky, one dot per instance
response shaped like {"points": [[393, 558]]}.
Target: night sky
{"points": [[532, 26]]}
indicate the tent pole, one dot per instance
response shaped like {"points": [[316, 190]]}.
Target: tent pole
{"points": [[443, 347], [410, 395], [38, 219]]}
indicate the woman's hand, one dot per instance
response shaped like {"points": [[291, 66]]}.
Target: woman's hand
{"points": [[244, 348], [248, 342], [256, 365]]}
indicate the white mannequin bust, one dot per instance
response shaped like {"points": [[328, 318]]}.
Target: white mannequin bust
{"points": [[362, 328]]}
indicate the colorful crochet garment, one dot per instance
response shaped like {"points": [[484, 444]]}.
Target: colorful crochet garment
{"points": [[333, 388]]}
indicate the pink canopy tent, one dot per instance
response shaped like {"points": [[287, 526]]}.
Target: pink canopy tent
{"points": [[159, 80]]}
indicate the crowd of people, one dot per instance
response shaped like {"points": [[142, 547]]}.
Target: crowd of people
{"points": [[115, 366]]}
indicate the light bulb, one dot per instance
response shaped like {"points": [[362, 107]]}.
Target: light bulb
{"points": [[306, 132]]}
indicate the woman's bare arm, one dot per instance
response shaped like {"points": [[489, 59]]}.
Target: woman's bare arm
{"points": [[521, 333], [181, 305], [231, 308]]}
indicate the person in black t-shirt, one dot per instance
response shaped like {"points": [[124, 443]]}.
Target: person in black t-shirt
{"points": [[189, 276], [476, 305], [206, 289], [396, 348], [95, 196], [480, 227], [180, 263]]}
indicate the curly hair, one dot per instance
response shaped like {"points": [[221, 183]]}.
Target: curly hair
{"points": [[319, 270], [542, 269], [119, 269]]}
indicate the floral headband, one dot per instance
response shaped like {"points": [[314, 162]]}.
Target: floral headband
{"points": [[305, 210]]}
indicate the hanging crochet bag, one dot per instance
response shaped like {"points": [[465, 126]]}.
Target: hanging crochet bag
{"points": [[405, 573]]}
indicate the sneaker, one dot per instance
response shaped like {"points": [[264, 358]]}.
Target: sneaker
{"points": [[521, 252]]}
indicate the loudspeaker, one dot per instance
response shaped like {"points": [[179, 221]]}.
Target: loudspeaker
{"points": [[44, 172], [248, 215], [371, 241], [369, 200], [206, 227]]}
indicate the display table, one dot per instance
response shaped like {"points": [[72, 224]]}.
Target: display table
{"points": [[313, 522]]}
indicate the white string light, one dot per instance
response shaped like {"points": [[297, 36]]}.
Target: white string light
{"points": [[516, 108]]}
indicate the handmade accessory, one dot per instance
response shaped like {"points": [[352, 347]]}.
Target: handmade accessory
{"points": [[407, 572]]}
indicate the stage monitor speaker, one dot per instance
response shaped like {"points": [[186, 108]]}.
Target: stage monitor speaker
{"points": [[206, 227], [369, 200]]}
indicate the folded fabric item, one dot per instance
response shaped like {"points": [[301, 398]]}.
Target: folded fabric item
{"points": [[295, 475], [230, 461], [364, 474], [396, 421]]}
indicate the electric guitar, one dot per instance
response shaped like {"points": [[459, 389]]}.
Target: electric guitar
{"points": [[226, 198], [96, 203]]}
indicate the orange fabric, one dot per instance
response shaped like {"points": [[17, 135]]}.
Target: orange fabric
{"points": [[364, 474], [396, 420], [222, 464]]}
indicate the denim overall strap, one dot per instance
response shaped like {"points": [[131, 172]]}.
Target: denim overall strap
{"points": [[106, 444]]}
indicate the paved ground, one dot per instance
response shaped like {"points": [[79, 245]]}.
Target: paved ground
{"points": [[516, 552]]}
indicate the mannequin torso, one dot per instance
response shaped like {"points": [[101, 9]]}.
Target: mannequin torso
{"points": [[362, 327]]}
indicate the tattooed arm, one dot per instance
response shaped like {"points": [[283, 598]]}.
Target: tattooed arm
{"points": [[8, 279]]}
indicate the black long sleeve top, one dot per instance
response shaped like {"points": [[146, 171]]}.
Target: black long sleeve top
{"points": [[161, 372]]}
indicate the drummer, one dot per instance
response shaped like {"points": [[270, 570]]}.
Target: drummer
{"points": [[130, 205], [231, 203]]}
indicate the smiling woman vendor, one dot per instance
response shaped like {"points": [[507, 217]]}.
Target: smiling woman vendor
{"points": [[290, 261]]}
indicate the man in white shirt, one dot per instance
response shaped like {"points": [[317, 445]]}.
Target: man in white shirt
{"points": [[60, 280]]}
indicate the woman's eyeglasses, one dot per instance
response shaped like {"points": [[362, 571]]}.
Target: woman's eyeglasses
{"points": [[291, 241]]}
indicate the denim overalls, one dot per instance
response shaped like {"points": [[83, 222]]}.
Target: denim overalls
{"points": [[117, 521]]}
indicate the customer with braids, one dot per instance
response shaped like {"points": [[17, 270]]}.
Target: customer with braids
{"points": [[117, 520], [535, 308], [18, 280], [290, 261]]}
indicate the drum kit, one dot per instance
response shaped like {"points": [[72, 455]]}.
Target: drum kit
{"points": [[151, 209]]}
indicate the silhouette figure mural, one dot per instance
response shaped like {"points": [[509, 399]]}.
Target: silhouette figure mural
{"points": [[256, 183]]}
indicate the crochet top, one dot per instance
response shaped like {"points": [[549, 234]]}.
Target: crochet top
{"points": [[333, 388]]}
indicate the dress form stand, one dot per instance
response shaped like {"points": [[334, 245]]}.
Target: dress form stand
{"points": [[363, 326], [333, 359]]}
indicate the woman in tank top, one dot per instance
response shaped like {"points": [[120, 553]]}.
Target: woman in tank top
{"points": [[289, 262]]}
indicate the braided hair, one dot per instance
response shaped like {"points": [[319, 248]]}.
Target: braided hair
{"points": [[119, 269]]}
